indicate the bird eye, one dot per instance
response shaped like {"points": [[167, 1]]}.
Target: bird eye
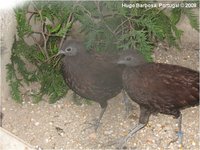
{"points": [[128, 58], [68, 49]]}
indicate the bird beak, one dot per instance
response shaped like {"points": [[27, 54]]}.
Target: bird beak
{"points": [[120, 62], [60, 52]]}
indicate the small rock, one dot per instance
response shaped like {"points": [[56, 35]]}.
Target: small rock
{"points": [[108, 132], [51, 123], [37, 147], [93, 136], [193, 143], [14, 131], [47, 140], [60, 131], [61, 134], [36, 123], [158, 125]]}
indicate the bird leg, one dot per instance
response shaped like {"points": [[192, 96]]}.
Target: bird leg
{"points": [[122, 141], [96, 122], [125, 139], [180, 133], [128, 104], [143, 120]]}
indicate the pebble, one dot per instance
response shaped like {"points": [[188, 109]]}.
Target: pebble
{"points": [[193, 143], [36, 123], [93, 136], [47, 140], [111, 128], [158, 125], [37, 147], [61, 134], [14, 131], [108, 132]]}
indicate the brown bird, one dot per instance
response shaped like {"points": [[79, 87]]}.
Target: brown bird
{"points": [[158, 88], [91, 75]]}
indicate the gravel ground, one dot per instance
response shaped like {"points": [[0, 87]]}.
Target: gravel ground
{"points": [[60, 125]]}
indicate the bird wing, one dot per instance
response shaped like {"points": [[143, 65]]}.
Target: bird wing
{"points": [[164, 85]]}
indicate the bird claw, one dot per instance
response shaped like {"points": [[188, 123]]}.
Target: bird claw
{"points": [[95, 123], [179, 139]]}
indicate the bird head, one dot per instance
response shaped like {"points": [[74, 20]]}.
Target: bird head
{"points": [[70, 48], [131, 58]]}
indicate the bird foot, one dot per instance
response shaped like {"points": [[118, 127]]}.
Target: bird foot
{"points": [[119, 143], [179, 139], [95, 123]]}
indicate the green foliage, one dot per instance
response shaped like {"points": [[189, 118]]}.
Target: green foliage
{"points": [[51, 82], [23, 26], [14, 81], [48, 76], [41, 57], [107, 26], [110, 27], [194, 22], [175, 15], [192, 18]]}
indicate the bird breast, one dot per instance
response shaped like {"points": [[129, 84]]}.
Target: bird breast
{"points": [[90, 79]]}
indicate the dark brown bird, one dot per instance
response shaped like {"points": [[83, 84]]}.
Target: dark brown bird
{"points": [[159, 88], [91, 75]]}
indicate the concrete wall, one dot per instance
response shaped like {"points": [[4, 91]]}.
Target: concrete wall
{"points": [[8, 141], [8, 30]]}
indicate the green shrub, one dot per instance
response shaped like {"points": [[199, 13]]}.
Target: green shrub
{"points": [[107, 26]]}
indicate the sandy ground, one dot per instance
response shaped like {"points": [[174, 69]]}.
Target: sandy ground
{"points": [[60, 125]]}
